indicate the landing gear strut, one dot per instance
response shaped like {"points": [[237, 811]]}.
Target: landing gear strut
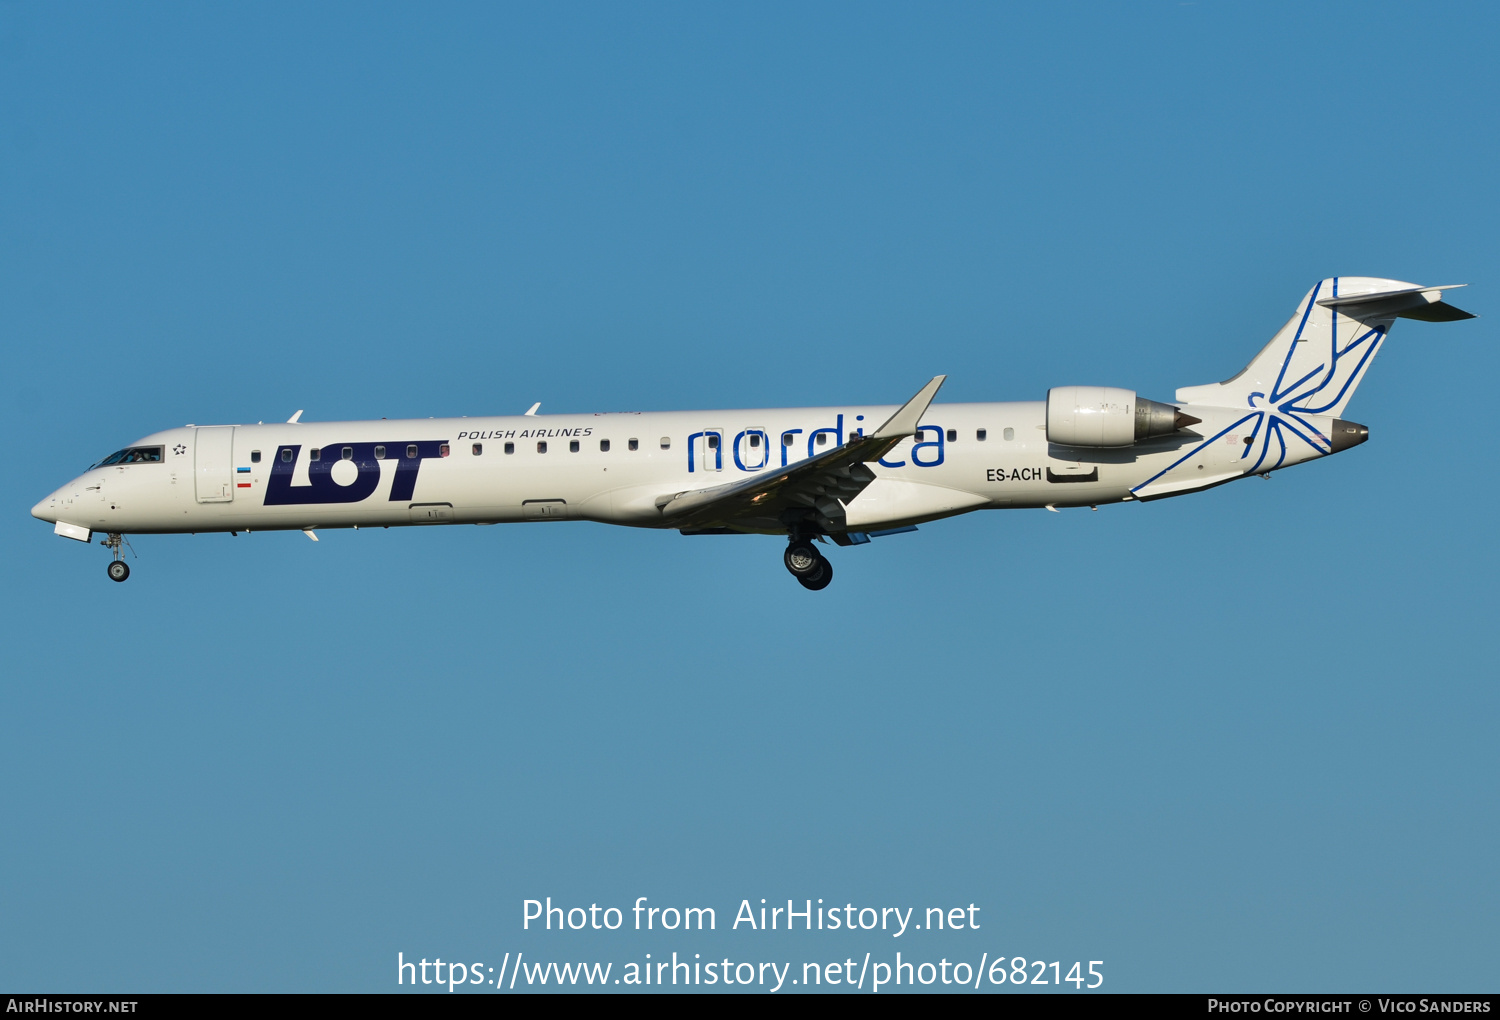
{"points": [[118, 569], [807, 565]]}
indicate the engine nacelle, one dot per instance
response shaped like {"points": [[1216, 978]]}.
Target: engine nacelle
{"points": [[1106, 416]]}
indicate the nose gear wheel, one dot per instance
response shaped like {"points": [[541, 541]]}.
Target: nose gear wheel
{"points": [[118, 569]]}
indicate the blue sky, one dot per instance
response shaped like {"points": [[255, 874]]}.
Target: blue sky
{"points": [[1238, 741]]}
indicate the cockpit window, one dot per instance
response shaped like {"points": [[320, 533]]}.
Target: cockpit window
{"points": [[135, 455]]}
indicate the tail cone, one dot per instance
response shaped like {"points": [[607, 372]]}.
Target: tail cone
{"points": [[1346, 434]]}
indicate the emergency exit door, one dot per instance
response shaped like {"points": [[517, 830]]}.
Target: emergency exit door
{"points": [[708, 450], [213, 464], [752, 449]]}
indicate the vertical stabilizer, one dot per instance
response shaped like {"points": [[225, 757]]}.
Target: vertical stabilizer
{"points": [[1313, 365]]}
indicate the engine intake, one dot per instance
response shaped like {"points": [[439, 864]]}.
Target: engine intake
{"points": [[1105, 416]]}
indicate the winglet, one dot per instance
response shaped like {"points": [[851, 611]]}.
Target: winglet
{"points": [[904, 422], [293, 419], [532, 413]]}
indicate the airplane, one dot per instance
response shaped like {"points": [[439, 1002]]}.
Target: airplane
{"points": [[844, 475]]}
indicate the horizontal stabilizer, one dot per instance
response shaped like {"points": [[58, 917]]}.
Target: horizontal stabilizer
{"points": [[1423, 303], [1438, 312]]}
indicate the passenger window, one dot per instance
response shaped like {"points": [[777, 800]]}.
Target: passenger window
{"points": [[604, 446], [315, 454], [666, 442], [786, 439], [572, 446], [443, 450], [510, 447], [411, 452], [478, 449], [981, 435], [634, 444], [255, 456], [286, 456], [380, 453], [541, 447], [754, 440], [953, 435], [1010, 434], [347, 454], [822, 438]]}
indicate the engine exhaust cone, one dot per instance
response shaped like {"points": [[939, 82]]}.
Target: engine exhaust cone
{"points": [[1154, 419]]}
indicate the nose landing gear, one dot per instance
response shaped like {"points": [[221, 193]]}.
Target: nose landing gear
{"points": [[808, 566], [118, 569]]}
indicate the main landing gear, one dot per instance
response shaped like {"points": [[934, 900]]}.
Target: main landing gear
{"points": [[118, 569], [808, 565]]}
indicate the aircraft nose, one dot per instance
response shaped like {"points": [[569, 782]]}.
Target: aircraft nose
{"points": [[46, 510]]}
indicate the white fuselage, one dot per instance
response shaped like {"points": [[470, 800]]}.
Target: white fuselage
{"points": [[458, 471]]}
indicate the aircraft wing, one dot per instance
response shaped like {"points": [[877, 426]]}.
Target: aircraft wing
{"points": [[817, 487]]}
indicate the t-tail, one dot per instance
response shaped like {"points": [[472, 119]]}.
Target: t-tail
{"points": [[1315, 363]]}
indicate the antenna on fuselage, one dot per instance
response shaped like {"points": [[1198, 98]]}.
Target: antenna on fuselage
{"points": [[530, 414], [293, 419]]}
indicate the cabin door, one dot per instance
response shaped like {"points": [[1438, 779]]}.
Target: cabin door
{"points": [[213, 464], [708, 450]]}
